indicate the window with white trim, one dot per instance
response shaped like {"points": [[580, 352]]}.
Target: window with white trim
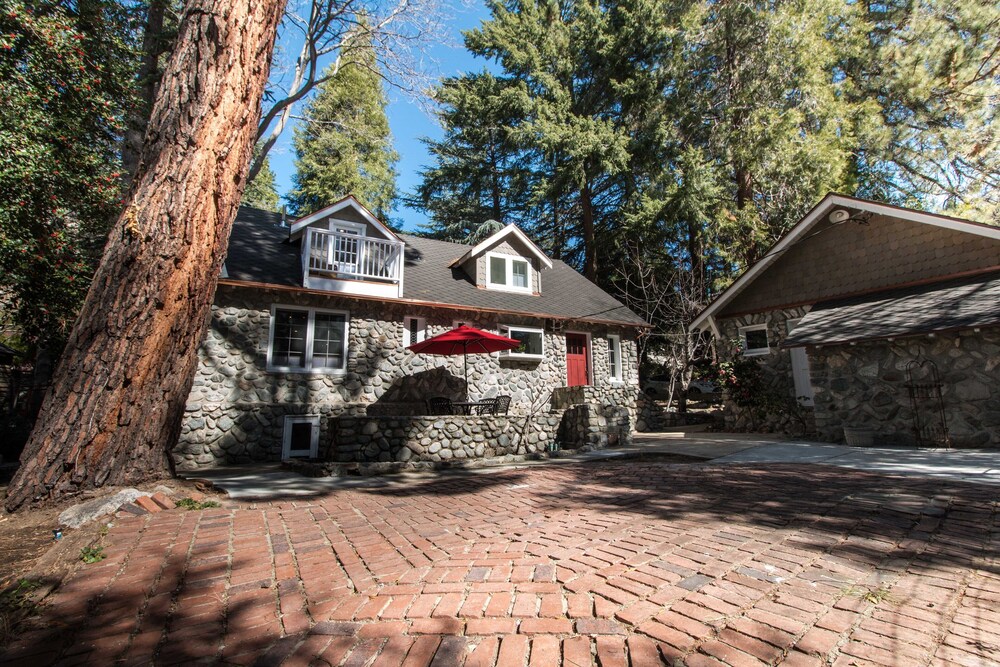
{"points": [[508, 272], [615, 358], [532, 342], [414, 330], [300, 436], [753, 340], [307, 340]]}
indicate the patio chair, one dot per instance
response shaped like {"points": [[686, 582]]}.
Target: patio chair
{"points": [[487, 406], [503, 405], [439, 405]]}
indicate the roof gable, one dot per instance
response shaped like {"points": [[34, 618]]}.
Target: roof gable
{"points": [[817, 222], [508, 233], [348, 202]]}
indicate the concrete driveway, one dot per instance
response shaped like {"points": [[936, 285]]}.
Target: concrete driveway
{"points": [[609, 563], [980, 466]]}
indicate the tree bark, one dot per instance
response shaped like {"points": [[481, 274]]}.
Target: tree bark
{"points": [[117, 399]]}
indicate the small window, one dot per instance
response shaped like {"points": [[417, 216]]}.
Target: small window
{"points": [[414, 330], [301, 437], [532, 342], [508, 272], [754, 340], [307, 339], [615, 358], [498, 270], [519, 274]]}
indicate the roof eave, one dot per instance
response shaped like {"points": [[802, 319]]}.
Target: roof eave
{"points": [[432, 304]]}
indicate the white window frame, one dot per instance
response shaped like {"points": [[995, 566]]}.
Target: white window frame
{"points": [[286, 438], [509, 273], [310, 329], [505, 330], [616, 371], [421, 329], [757, 351]]}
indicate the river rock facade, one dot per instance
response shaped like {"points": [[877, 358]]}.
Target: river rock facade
{"points": [[236, 409], [864, 385]]}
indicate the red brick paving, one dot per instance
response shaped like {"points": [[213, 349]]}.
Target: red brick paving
{"points": [[612, 565]]}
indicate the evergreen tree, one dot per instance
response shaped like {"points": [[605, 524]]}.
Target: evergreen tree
{"points": [[478, 181], [262, 191], [928, 76], [343, 146]]}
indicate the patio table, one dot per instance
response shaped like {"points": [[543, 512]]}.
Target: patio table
{"points": [[465, 407]]}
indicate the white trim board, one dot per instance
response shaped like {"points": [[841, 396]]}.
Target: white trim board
{"points": [[347, 202], [509, 230]]}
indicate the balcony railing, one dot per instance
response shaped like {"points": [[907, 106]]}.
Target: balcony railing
{"points": [[352, 257]]}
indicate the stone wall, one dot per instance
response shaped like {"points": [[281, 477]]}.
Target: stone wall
{"points": [[776, 368], [236, 409], [436, 439], [865, 385]]}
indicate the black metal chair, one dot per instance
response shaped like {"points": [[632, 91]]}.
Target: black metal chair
{"points": [[503, 405], [440, 405]]}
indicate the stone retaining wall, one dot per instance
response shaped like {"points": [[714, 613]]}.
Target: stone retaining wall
{"points": [[435, 439]]}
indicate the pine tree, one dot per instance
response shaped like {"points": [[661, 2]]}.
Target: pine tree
{"points": [[929, 75], [116, 403], [344, 146], [478, 180]]}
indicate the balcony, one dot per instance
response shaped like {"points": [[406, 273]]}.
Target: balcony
{"points": [[353, 264]]}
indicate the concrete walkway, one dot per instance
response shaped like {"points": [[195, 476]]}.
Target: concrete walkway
{"points": [[270, 482]]}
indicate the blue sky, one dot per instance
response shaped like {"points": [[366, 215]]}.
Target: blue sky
{"points": [[406, 119]]}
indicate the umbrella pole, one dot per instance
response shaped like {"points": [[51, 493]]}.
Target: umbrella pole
{"points": [[465, 354]]}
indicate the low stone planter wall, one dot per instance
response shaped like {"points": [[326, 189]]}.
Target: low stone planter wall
{"points": [[435, 439]]}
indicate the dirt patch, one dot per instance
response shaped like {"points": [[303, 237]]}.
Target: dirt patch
{"points": [[33, 562]]}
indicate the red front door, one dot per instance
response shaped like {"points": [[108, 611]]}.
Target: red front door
{"points": [[576, 360]]}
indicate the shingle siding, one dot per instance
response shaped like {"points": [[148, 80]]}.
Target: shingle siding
{"points": [[837, 260]]}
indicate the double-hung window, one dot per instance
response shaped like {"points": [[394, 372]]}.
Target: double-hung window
{"points": [[508, 272], [307, 340], [615, 358]]}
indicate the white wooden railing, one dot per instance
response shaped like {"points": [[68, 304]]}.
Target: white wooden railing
{"points": [[352, 257]]}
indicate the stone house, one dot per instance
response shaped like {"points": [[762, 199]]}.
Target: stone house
{"points": [[312, 318], [870, 316]]}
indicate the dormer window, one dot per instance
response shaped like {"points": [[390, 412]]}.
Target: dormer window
{"points": [[508, 272]]}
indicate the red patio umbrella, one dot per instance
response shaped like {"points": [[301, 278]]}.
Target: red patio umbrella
{"points": [[464, 340]]}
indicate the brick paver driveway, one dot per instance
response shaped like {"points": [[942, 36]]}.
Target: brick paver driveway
{"points": [[609, 564]]}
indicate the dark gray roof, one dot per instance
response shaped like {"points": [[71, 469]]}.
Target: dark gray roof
{"points": [[259, 252], [961, 303]]}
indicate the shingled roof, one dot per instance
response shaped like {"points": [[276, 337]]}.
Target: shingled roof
{"points": [[962, 303], [260, 253]]}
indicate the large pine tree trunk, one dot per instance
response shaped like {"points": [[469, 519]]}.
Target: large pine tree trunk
{"points": [[117, 399]]}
